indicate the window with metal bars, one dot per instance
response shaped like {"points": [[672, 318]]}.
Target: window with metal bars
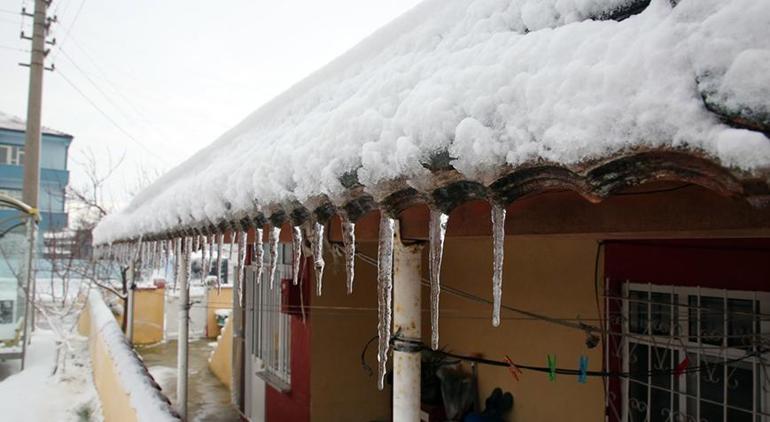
{"points": [[693, 354], [269, 328]]}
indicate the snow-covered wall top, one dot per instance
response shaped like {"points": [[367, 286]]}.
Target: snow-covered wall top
{"points": [[148, 402], [491, 83]]}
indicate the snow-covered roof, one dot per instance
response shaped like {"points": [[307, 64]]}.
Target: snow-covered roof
{"points": [[481, 88], [14, 123]]}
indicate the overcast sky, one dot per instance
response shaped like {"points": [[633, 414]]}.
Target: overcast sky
{"points": [[172, 75]]}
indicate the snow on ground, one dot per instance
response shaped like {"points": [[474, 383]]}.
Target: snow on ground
{"points": [[492, 83], [35, 395]]}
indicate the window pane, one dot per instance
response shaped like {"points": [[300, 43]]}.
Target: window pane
{"points": [[712, 380], [638, 361], [637, 402], [637, 318], [712, 320], [740, 323], [738, 416], [4, 155], [711, 412], [661, 365], [739, 385], [661, 314], [660, 410]]}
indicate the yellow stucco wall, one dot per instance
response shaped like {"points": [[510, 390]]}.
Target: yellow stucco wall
{"points": [[148, 315], [216, 300], [548, 276], [340, 389], [115, 402], [221, 360]]}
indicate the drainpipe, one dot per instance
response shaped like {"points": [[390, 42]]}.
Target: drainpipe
{"points": [[182, 278], [407, 274], [237, 316]]}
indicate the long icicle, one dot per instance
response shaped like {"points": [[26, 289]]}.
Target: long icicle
{"points": [[220, 241], [498, 239], [177, 256], [349, 242], [384, 294], [318, 256], [259, 253], [274, 238], [204, 261], [241, 266], [437, 233], [296, 242]]}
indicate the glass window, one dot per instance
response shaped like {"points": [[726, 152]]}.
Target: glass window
{"points": [[717, 331]]}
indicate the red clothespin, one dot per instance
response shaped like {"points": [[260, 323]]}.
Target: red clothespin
{"points": [[515, 371], [682, 366]]}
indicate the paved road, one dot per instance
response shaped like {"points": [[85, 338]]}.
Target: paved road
{"points": [[209, 399]]}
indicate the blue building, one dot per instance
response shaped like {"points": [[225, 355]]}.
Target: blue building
{"points": [[54, 175]]}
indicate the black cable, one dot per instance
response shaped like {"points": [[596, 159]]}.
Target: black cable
{"points": [[564, 371]]}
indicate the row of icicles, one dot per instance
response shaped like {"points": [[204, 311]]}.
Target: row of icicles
{"points": [[159, 253]]}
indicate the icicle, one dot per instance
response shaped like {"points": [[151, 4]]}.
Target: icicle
{"points": [[177, 256], [349, 241], [210, 242], [296, 242], [204, 261], [230, 248], [188, 243], [275, 237], [384, 294], [318, 256], [259, 253], [241, 265], [437, 233], [220, 240], [498, 238], [166, 258]]}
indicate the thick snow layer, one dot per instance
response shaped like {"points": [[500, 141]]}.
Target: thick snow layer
{"points": [[492, 82], [145, 399], [14, 123], [35, 395]]}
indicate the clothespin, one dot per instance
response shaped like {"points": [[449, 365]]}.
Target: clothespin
{"points": [[682, 366], [515, 371], [551, 368], [583, 368]]}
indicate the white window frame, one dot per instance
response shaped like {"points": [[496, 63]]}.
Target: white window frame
{"points": [[671, 342], [269, 343]]}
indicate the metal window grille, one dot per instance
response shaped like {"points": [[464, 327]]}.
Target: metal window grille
{"points": [[270, 342], [721, 335]]}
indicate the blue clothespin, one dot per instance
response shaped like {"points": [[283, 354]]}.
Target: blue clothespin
{"points": [[583, 376], [551, 368]]}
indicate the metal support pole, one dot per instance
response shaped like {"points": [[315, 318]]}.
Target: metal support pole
{"points": [[407, 302], [182, 280], [29, 293], [130, 305], [237, 316]]}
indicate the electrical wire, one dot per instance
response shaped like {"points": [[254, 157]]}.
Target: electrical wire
{"points": [[420, 346], [107, 116]]}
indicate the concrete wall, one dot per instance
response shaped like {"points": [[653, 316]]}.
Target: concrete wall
{"points": [[548, 276], [148, 315], [221, 360], [216, 300], [340, 389], [126, 391]]}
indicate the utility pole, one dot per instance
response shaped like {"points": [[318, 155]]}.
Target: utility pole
{"points": [[31, 186], [35, 105]]}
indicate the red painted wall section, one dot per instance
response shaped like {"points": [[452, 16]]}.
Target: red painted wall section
{"points": [[737, 264], [295, 405]]}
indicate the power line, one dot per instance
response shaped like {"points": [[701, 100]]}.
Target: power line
{"points": [[106, 116], [8, 47], [69, 28]]}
